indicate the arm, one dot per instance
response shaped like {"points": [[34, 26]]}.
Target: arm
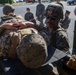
{"points": [[65, 23], [6, 26], [62, 41], [1, 30], [15, 39]]}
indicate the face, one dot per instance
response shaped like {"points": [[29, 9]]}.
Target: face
{"points": [[66, 15], [51, 21]]}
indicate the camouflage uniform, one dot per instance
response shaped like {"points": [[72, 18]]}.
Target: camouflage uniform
{"points": [[46, 35], [30, 46], [6, 48], [59, 39], [40, 12], [29, 16], [58, 36], [66, 21], [8, 9]]}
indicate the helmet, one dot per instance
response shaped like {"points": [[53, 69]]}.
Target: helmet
{"points": [[32, 50], [7, 9], [56, 11], [27, 9]]}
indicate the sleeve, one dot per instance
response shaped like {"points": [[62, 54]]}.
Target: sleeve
{"points": [[62, 42], [25, 17], [1, 30], [43, 9], [66, 22], [32, 16], [36, 10]]}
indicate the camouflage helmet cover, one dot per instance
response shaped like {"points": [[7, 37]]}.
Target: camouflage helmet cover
{"points": [[56, 11], [32, 51], [8, 8]]}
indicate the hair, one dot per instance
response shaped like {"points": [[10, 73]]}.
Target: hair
{"points": [[28, 9]]}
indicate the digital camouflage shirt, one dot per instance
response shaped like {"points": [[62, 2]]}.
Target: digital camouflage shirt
{"points": [[6, 46], [57, 38]]}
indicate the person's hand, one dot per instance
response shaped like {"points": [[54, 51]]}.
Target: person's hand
{"points": [[9, 26], [15, 38], [72, 62], [26, 24], [18, 25]]}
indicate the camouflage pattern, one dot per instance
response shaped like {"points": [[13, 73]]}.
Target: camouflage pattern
{"points": [[5, 43], [27, 31], [66, 21], [1, 30], [32, 50], [9, 39], [7, 47], [55, 10], [8, 8], [11, 18], [58, 36], [31, 47], [29, 16], [46, 35], [59, 39]]}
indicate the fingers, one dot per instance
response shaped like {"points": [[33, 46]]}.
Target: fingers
{"points": [[15, 24], [12, 28], [9, 26], [72, 63], [18, 25], [27, 22], [22, 26], [15, 38], [5, 24]]}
